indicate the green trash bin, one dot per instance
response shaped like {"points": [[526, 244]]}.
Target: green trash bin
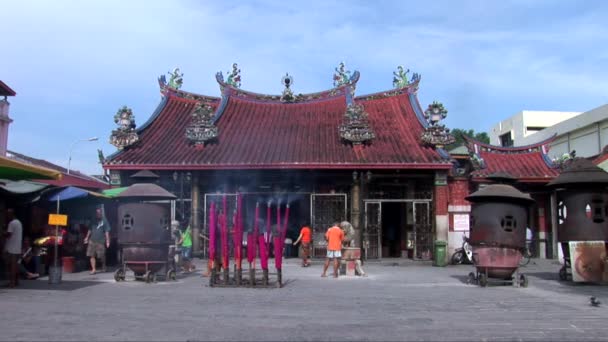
{"points": [[439, 253]]}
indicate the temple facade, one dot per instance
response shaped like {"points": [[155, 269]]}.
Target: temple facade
{"points": [[376, 160]]}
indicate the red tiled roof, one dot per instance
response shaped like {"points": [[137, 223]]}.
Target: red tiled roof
{"points": [[267, 134], [5, 90], [526, 163]]}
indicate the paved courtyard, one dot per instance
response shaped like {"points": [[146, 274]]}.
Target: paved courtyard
{"points": [[399, 300]]}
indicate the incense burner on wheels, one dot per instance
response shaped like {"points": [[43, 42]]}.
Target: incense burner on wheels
{"points": [[499, 217]]}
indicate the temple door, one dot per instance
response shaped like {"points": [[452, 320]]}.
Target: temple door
{"points": [[423, 231], [325, 210]]}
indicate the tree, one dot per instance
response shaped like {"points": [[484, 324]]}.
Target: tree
{"points": [[458, 134]]}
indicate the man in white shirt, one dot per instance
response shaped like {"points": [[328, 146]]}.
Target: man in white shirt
{"points": [[12, 247]]}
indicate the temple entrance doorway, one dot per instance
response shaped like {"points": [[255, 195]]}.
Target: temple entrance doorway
{"points": [[398, 228], [393, 229]]}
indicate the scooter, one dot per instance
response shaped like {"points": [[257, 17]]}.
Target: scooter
{"points": [[464, 254]]}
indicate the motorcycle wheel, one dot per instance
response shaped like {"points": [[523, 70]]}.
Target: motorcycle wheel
{"points": [[457, 258]]}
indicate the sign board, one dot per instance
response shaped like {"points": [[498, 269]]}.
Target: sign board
{"points": [[461, 222], [587, 260], [58, 220]]}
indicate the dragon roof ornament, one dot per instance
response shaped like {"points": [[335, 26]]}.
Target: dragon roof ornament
{"points": [[234, 76], [201, 129], [356, 128], [435, 134], [400, 79], [125, 135]]}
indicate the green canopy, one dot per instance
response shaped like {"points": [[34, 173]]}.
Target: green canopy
{"points": [[114, 191], [16, 170]]}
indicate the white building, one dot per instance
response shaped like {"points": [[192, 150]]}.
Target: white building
{"points": [[586, 134], [514, 130]]}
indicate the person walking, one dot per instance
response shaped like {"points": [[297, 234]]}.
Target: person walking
{"points": [[334, 237], [12, 247], [306, 237], [186, 246], [95, 238]]}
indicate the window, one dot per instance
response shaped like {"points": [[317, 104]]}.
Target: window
{"points": [[533, 129], [506, 140]]}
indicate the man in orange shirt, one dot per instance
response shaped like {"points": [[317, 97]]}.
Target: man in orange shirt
{"points": [[334, 237], [306, 238]]}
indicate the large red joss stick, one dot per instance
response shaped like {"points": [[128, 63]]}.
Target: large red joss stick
{"points": [[225, 256], [212, 228], [278, 247], [285, 223], [268, 234], [263, 252], [238, 239], [279, 241], [252, 238], [263, 241]]}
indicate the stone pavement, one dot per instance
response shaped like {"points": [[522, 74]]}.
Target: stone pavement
{"points": [[399, 300]]}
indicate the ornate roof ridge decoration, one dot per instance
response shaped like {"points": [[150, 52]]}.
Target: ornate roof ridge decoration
{"points": [[436, 134], [125, 135], [400, 79], [564, 161], [287, 95], [341, 75], [355, 128], [541, 146], [244, 94], [176, 79], [234, 76], [201, 129]]}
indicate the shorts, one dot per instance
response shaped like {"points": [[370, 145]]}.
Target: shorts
{"points": [[186, 253], [334, 254], [305, 249], [96, 250]]}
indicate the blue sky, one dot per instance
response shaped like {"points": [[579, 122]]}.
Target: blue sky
{"points": [[74, 63]]}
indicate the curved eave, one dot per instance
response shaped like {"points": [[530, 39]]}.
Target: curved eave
{"points": [[5, 90], [514, 149], [297, 166]]}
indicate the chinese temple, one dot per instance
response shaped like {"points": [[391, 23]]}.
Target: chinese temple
{"points": [[375, 160]]}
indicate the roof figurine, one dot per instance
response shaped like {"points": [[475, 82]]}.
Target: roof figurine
{"points": [[176, 79], [341, 76], [435, 134], [287, 96], [400, 78], [125, 134], [234, 76]]}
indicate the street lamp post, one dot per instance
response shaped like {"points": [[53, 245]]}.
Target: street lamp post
{"points": [[72, 148]]}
